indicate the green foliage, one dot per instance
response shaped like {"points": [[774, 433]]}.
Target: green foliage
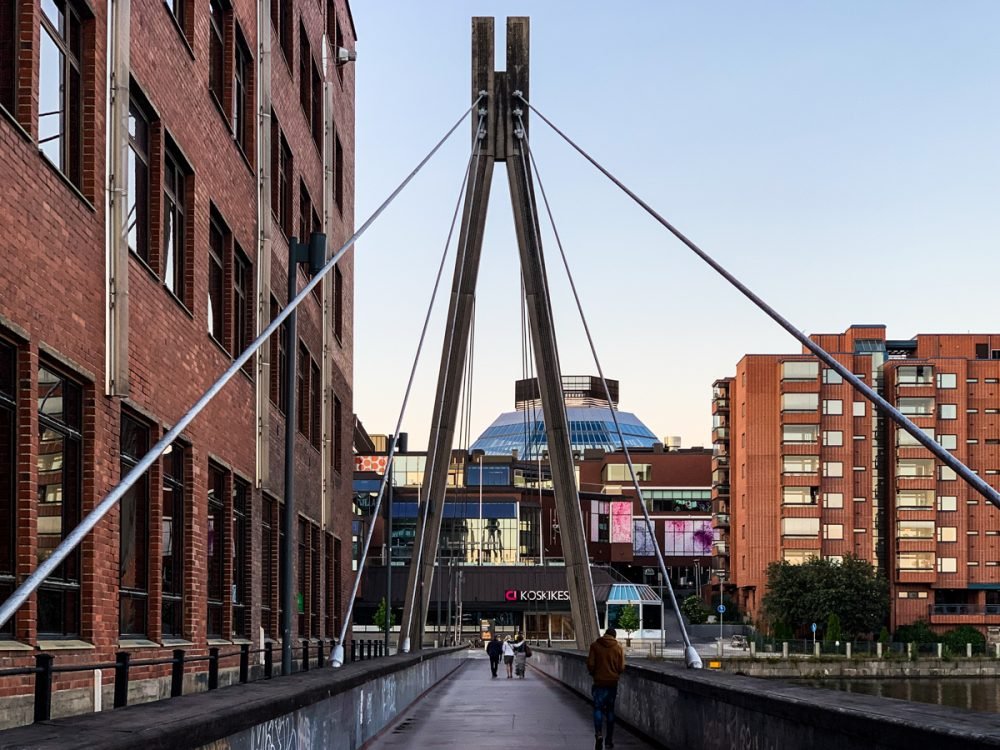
{"points": [[628, 619], [694, 610], [381, 617], [917, 632], [832, 633], [798, 595], [783, 631], [883, 636], [955, 640]]}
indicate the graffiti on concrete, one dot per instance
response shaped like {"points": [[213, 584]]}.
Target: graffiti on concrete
{"points": [[276, 734]]}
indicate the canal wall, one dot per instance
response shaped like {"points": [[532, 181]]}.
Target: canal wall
{"points": [[716, 710], [842, 668]]}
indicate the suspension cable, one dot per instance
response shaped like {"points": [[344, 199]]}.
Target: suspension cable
{"points": [[32, 582], [971, 478], [691, 657], [337, 657], [449, 337]]}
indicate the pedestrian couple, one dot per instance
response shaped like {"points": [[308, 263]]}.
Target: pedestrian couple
{"points": [[514, 653]]}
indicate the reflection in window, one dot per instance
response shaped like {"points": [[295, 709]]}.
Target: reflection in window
{"points": [[133, 533], [799, 370], [215, 545], [799, 433], [799, 495], [915, 529], [241, 531], [216, 277], [268, 569], [915, 467], [174, 224], [173, 542], [799, 401], [60, 101], [216, 55], [800, 464], [242, 310], [915, 561], [137, 221], [242, 104], [60, 479], [916, 406], [8, 473]]}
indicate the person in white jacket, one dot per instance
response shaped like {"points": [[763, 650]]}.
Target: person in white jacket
{"points": [[508, 657]]}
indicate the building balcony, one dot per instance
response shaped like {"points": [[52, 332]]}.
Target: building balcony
{"points": [[720, 505], [720, 490], [720, 549], [720, 405], [964, 614], [720, 434], [720, 461], [720, 476], [720, 567], [720, 521]]}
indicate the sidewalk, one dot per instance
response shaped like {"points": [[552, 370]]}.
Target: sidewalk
{"points": [[472, 710]]}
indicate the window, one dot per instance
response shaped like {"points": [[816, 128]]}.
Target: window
{"points": [[946, 473], [833, 469], [947, 380], [216, 281], [800, 464], [947, 564], [315, 582], [982, 351], [60, 88], [8, 59], [799, 401], [915, 375], [281, 18], [948, 442], [329, 614], [242, 96], [799, 556], [915, 499], [305, 73], [279, 361], [338, 303], [338, 586], [315, 404], [338, 435], [338, 173], [799, 433], [833, 499], [317, 106], [60, 489], [179, 10], [915, 529], [620, 473], [859, 409], [915, 467], [241, 558], [268, 568], [947, 502], [305, 213], [174, 224], [833, 531], [302, 390], [335, 32], [281, 178], [216, 51], [215, 548], [242, 305], [833, 406], [8, 477], [302, 605], [903, 438], [947, 534], [174, 541], [133, 537], [799, 370], [832, 377], [833, 437], [915, 561], [916, 407], [138, 180], [948, 411]]}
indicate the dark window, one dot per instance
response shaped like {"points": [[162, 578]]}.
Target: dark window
{"points": [[282, 175], [178, 8], [60, 489], [8, 55], [133, 537], [982, 351], [338, 596], [338, 427], [315, 582], [279, 355], [173, 541], [338, 37], [317, 106], [241, 531], [8, 477], [216, 50], [303, 589], [174, 224], [215, 549], [267, 566], [305, 80], [138, 180], [316, 404], [242, 308], [302, 390], [216, 281], [60, 94], [281, 18], [338, 174], [328, 611], [338, 303], [305, 212], [280, 522], [242, 102]]}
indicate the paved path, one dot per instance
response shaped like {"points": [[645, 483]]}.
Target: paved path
{"points": [[472, 710]]}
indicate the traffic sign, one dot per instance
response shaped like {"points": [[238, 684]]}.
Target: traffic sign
{"points": [[814, 627], [721, 609]]}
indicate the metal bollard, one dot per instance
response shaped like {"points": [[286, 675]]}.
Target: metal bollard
{"points": [[43, 687], [177, 674], [305, 656], [940, 650], [319, 653], [369, 646], [244, 663], [121, 679], [784, 649], [268, 659], [354, 650], [213, 668], [849, 649]]}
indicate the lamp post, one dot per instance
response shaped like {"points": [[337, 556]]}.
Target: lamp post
{"points": [[315, 255], [478, 453], [388, 553]]}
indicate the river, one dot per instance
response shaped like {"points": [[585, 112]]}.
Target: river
{"points": [[974, 694]]}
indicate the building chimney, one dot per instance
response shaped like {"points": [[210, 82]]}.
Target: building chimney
{"points": [[672, 442]]}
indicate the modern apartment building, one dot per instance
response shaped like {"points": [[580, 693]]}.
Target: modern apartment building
{"points": [[154, 164], [805, 467]]}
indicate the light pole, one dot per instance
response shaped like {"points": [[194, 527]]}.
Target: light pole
{"points": [[388, 554], [315, 255], [479, 453]]}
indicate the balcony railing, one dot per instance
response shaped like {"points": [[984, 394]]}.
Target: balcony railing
{"points": [[720, 549], [720, 520], [720, 490], [965, 609], [720, 433]]}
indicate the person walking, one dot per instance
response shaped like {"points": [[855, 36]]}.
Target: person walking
{"points": [[520, 655], [508, 657], [494, 650], [605, 662]]}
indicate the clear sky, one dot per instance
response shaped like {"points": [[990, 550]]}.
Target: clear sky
{"points": [[841, 158]]}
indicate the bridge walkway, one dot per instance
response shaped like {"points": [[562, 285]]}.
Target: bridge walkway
{"points": [[471, 709]]}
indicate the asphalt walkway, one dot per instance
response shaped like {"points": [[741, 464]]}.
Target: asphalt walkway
{"points": [[472, 710]]}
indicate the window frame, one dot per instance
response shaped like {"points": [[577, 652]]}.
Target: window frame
{"points": [[172, 597], [176, 174], [9, 439], [243, 309], [215, 546], [242, 581], [140, 154], [71, 67], [140, 492], [217, 271]]}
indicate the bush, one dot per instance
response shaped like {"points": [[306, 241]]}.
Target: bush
{"points": [[955, 640], [832, 634], [694, 610], [917, 632], [783, 631], [883, 636]]}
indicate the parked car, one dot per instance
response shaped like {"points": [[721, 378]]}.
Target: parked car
{"points": [[739, 641]]}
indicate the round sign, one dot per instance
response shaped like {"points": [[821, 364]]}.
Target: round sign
{"points": [[721, 609], [814, 627]]}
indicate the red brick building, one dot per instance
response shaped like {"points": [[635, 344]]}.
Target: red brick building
{"points": [[804, 467], [153, 167]]}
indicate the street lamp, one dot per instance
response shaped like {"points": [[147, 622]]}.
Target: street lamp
{"points": [[478, 454]]}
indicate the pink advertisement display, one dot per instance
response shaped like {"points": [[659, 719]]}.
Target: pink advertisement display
{"points": [[688, 537], [621, 522]]}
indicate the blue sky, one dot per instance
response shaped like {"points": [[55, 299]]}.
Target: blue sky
{"points": [[842, 159]]}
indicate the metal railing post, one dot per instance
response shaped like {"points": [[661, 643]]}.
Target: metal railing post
{"points": [[43, 687], [177, 674], [121, 678], [268, 659], [244, 663], [354, 650], [319, 653], [213, 668], [305, 656]]}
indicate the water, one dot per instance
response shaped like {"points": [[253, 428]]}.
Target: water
{"points": [[974, 694]]}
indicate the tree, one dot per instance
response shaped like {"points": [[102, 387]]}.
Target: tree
{"points": [[628, 620], [883, 636], [918, 631], [694, 610], [798, 595], [381, 617], [955, 640], [832, 634]]}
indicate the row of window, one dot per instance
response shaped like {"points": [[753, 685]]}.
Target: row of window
{"points": [[905, 375], [913, 407]]}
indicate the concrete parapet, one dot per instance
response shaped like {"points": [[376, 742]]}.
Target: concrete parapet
{"points": [[711, 710]]}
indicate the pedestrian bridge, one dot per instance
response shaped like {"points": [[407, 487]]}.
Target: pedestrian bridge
{"points": [[446, 698]]}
